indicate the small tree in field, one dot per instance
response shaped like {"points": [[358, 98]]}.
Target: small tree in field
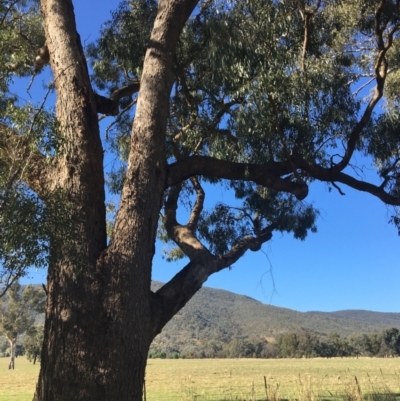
{"points": [[17, 313], [259, 97], [33, 343]]}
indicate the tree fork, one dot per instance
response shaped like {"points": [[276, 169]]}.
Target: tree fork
{"points": [[99, 318]]}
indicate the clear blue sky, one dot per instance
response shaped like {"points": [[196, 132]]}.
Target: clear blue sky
{"points": [[351, 263]]}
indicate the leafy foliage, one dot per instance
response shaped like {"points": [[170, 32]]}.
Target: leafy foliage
{"points": [[23, 242], [21, 34], [19, 308], [27, 221], [117, 63], [114, 62], [33, 343], [18, 311], [256, 82], [28, 224]]}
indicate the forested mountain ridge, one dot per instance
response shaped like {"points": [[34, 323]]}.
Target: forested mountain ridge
{"points": [[219, 323], [379, 318], [213, 311], [219, 315]]}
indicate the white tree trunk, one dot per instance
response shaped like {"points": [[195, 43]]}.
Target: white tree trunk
{"points": [[13, 345]]}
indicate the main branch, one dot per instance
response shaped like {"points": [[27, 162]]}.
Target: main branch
{"points": [[270, 175], [179, 290]]}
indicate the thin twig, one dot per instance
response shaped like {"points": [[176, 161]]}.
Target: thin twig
{"points": [[7, 11], [118, 118], [39, 110], [363, 86]]}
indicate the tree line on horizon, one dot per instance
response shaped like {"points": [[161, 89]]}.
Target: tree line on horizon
{"points": [[301, 344]]}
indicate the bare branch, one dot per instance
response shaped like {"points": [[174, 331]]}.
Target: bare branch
{"points": [[363, 86], [338, 188], [307, 15], [331, 175], [7, 11], [118, 118], [176, 293], [198, 206], [9, 281], [173, 296], [125, 91], [370, 188], [381, 68], [109, 106], [268, 174], [183, 235]]}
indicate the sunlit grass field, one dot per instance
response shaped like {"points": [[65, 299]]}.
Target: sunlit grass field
{"points": [[348, 379], [17, 384]]}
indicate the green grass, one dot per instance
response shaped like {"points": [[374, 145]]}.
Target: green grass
{"points": [[18, 384], [243, 379]]}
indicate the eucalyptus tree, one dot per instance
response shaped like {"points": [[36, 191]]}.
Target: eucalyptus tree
{"points": [[33, 343], [17, 313], [262, 97]]}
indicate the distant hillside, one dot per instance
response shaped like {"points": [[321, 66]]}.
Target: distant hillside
{"points": [[218, 315]]}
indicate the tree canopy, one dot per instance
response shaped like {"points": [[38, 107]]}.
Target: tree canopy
{"points": [[267, 97]]}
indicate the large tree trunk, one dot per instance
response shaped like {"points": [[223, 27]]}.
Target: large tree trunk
{"points": [[99, 319], [70, 365]]}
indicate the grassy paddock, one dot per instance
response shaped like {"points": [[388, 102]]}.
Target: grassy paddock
{"points": [[17, 384], [243, 379], [301, 379]]}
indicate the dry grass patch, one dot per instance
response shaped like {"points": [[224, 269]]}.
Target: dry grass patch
{"points": [[363, 379], [286, 379]]}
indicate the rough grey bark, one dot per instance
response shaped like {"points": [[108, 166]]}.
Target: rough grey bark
{"points": [[99, 319], [70, 366]]}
